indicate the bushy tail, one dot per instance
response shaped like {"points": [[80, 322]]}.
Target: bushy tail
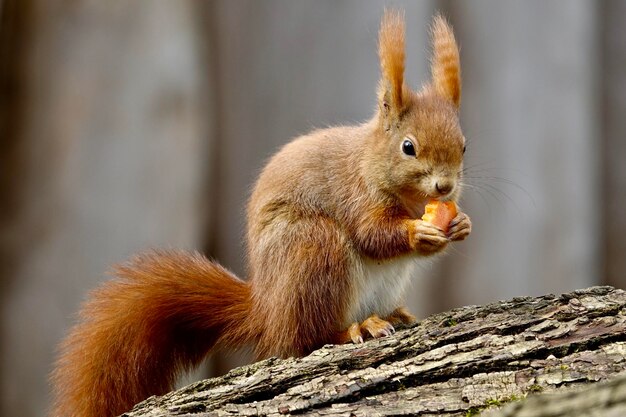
{"points": [[160, 316]]}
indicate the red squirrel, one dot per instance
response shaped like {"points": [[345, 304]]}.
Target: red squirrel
{"points": [[334, 235]]}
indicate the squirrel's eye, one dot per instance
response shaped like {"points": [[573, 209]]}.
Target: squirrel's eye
{"points": [[408, 148], [464, 149]]}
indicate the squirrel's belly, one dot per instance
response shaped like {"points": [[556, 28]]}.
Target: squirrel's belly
{"points": [[379, 285]]}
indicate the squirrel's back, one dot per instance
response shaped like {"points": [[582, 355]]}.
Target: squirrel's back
{"points": [[312, 175]]}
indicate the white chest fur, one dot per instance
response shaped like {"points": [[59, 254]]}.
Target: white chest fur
{"points": [[380, 285]]}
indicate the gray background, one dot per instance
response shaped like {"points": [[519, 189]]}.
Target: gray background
{"points": [[126, 125]]}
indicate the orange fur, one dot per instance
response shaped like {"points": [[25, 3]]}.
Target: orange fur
{"points": [[446, 63], [138, 332], [333, 236], [391, 53]]}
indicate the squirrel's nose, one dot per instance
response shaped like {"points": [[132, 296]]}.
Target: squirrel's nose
{"points": [[443, 187]]}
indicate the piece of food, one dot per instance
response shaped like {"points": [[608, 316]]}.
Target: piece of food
{"points": [[440, 213]]}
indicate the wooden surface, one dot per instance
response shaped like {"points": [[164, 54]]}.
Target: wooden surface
{"points": [[450, 364]]}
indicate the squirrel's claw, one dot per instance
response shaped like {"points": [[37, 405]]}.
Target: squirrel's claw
{"points": [[377, 327], [426, 238], [460, 227], [373, 326], [354, 331]]}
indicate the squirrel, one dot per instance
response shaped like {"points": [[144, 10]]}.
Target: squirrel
{"points": [[333, 236]]}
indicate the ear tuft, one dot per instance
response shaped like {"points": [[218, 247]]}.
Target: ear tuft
{"points": [[445, 65], [391, 53]]}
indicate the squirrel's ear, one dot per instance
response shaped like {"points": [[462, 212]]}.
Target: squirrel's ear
{"points": [[445, 64], [391, 53]]}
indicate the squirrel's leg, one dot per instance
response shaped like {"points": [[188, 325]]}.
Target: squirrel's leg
{"points": [[302, 284], [383, 235]]}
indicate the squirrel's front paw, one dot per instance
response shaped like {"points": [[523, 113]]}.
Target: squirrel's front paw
{"points": [[460, 227], [426, 238]]}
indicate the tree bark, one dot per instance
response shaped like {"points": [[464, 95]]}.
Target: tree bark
{"points": [[606, 399], [456, 363]]}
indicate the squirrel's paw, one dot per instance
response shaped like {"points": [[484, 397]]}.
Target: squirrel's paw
{"points": [[373, 326], [377, 327], [401, 316], [354, 333], [460, 227], [426, 238]]}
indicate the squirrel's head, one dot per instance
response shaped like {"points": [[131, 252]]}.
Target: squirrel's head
{"points": [[419, 137]]}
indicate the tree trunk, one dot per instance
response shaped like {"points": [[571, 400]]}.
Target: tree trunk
{"points": [[456, 363]]}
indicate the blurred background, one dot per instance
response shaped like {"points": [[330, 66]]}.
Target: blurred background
{"points": [[126, 125]]}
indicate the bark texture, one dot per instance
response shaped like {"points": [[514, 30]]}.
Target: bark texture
{"points": [[607, 399], [456, 363]]}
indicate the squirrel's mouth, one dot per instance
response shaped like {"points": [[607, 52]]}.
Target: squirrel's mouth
{"points": [[415, 203], [414, 197]]}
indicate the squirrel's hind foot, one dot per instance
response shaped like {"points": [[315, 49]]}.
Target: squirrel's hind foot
{"points": [[373, 326]]}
